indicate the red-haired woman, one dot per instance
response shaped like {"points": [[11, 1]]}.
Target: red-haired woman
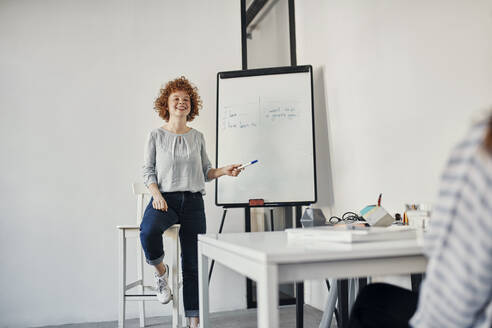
{"points": [[175, 171]]}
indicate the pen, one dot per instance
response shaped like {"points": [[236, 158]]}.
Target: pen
{"points": [[247, 164], [379, 199]]}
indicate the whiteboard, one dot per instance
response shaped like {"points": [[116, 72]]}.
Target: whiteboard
{"points": [[266, 115]]}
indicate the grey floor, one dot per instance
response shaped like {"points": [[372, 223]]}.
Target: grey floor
{"points": [[232, 319]]}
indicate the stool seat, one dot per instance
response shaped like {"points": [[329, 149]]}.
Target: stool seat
{"points": [[145, 293]]}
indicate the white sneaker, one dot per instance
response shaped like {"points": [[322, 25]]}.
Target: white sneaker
{"points": [[162, 287]]}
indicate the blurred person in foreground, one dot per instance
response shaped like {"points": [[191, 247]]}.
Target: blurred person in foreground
{"points": [[457, 289]]}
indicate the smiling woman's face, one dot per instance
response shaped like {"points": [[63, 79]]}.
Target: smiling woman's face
{"points": [[179, 104]]}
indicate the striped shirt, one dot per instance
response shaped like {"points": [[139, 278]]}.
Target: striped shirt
{"points": [[457, 290]]}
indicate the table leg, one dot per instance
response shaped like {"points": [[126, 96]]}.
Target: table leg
{"points": [[362, 284], [203, 289], [416, 279], [343, 302], [299, 305], [267, 293]]}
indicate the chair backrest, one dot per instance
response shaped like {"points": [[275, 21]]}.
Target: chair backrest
{"points": [[143, 196]]}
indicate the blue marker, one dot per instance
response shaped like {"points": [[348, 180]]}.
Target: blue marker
{"points": [[247, 164]]}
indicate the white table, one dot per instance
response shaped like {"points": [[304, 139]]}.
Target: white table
{"points": [[270, 259]]}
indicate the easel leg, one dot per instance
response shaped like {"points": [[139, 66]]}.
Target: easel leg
{"points": [[220, 231]]}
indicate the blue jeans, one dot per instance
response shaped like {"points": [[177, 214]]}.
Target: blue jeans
{"points": [[185, 208]]}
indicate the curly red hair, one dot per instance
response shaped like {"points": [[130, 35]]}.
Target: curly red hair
{"points": [[179, 84]]}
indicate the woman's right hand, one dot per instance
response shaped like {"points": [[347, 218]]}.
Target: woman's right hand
{"points": [[159, 203]]}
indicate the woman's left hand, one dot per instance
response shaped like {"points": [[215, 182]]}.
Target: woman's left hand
{"points": [[232, 170]]}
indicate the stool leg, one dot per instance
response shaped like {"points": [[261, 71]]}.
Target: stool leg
{"points": [[122, 278], [184, 320], [141, 304], [175, 277]]}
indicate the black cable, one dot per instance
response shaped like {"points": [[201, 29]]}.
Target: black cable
{"points": [[347, 217]]}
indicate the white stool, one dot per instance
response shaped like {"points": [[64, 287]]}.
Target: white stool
{"points": [[127, 231]]}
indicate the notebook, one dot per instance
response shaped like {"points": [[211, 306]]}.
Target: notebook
{"points": [[352, 234]]}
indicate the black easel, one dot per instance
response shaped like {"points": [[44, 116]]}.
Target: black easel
{"points": [[247, 16]]}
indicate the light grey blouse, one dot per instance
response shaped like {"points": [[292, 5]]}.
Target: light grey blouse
{"points": [[176, 162]]}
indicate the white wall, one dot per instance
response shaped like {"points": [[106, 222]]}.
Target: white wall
{"points": [[77, 84], [396, 85]]}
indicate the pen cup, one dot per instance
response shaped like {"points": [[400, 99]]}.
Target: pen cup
{"points": [[418, 219]]}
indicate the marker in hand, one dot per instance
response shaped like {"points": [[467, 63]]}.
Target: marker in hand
{"points": [[247, 164]]}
